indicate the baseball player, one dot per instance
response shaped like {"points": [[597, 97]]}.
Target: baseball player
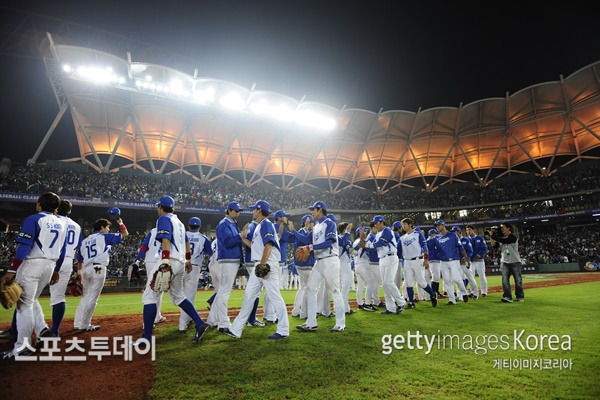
{"points": [[450, 250], [199, 247], [170, 232], [249, 231], [466, 242], [285, 237], [416, 258], [265, 250], [327, 267], [477, 262], [363, 274], [346, 276], [93, 256], [434, 262], [304, 267], [60, 279], [150, 249], [40, 250], [214, 272], [229, 256], [294, 278], [387, 251], [397, 229], [323, 295]]}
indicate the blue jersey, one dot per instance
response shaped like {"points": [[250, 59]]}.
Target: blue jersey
{"points": [[95, 249], [466, 242], [249, 234], [229, 245], [479, 247], [285, 238], [345, 247], [171, 228], [199, 247], [323, 238], [432, 248], [449, 247], [385, 242], [42, 235], [397, 236], [372, 253], [302, 238]]}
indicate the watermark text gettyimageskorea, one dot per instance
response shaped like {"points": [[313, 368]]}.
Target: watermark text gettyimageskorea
{"points": [[479, 344]]}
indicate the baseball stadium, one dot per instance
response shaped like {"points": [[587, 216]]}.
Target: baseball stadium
{"points": [[149, 142]]}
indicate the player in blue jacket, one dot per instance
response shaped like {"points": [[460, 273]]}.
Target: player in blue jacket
{"points": [[468, 274], [434, 262], [451, 251], [478, 261], [303, 267]]}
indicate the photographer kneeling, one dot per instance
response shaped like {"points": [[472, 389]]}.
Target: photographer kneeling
{"points": [[510, 262]]}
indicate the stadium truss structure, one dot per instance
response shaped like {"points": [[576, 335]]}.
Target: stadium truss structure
{"points": [[130, 114]]}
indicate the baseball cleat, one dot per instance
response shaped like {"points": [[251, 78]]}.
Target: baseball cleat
{"points": [[369, 307], [295, 315], [465, 298], [330, 315], [138, 343], [350, 312], [506, 300], [337, 328], [199, 332], [8, 336], [90, 328], [450, 303], [399, 309], [410, 305], [483, 294], [382, 304], [306, 328], [388, 312], [227, 332], [471, 296], [276, 336], [7, 355], [520, 300], [268, 321], [257, 323], [161, 319], [434, 302]]}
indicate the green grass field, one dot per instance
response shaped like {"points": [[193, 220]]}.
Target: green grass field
{"points": [[350, 365], [131, 303]]}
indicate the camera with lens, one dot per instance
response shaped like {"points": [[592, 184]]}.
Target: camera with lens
{"points": [[495, 230]]}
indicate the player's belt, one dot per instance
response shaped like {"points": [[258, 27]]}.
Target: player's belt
{"points": [[96, 264], [416, 258], [389, 254], [322, 258]]}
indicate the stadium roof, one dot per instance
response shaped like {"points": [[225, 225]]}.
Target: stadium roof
{"points": [[131, 114]]}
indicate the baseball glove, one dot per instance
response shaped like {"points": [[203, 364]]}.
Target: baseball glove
{"points": [[302, 253], [10, 293], [162, 279], [261, 270], [75, 286], [133, 272]]}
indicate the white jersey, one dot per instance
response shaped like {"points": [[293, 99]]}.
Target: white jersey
{"points": [[361, 256], [197, 249], [170, 227], [95, 249], [73, 236], [263, 234], [154, 248], [45, 233], [412, 245], [323, 231]]}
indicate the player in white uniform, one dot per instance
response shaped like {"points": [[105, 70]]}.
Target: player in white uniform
{"points": [[387, 251], [175, 257], [467, 273], [346, 276], [94, 256], [327, 267], [264, 250], [363, 274], [199, 247], [60, 279], [416, 260], [150, 250], [303, 267], [40, 251]]}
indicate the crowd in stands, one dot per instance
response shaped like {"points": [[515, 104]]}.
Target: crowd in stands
{"points": [[147, 188]]}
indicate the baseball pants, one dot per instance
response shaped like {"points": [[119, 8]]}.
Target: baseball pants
{"points": [[284, 276], [190, 287], [373, 286], [218, 311], [389, 265], [478, 267], [363, 277], [300, 301], [323, 300], [33, 276], [58, 290], [92, 279], [451, 272], [346, 281], [328, 270], [471, 278]]}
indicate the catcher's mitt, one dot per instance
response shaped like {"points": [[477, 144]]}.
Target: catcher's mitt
{"points": [[133, 272], [302, 253], [163, 276], [75, 286], [10, 293], [261, 270]]}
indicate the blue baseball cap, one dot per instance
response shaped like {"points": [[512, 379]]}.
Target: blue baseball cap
{"points": [[166, 201], [308, 217], [318, 204], [332, 217], [114, 211], [195, 221], [234, 205], [439, 222], [364, 229], [397, 225], [417, 229], [455, 229], [261, 205], [433, 232], [378, 218], [280, 213]]}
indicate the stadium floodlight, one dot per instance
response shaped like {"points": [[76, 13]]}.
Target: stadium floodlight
{"points": [[148, 78], [314, 120], [67, 68], [204, 96], [138, 83], [233, 101]]}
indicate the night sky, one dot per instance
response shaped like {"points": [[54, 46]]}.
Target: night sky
{"points": [[393, 55]]}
